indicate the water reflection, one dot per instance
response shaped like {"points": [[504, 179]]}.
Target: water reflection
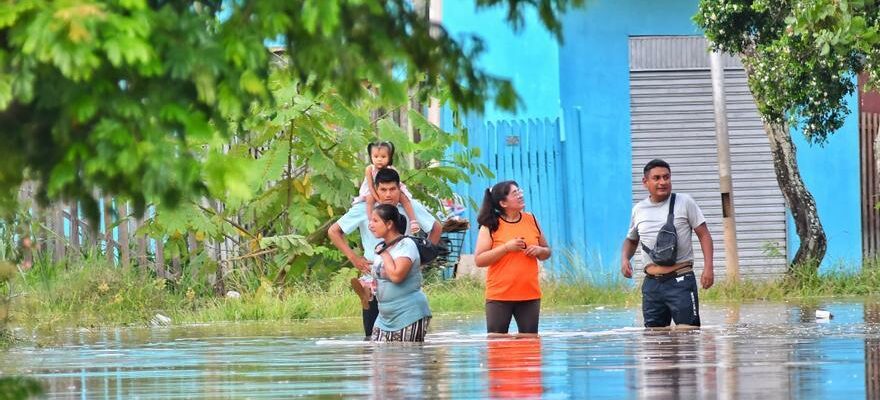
{"points": [[668, 363], [762, 350], [872, 353], [403, 370], [514, 368]]}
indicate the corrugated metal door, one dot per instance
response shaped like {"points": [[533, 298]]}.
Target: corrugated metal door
{"points": [[672, 118]]}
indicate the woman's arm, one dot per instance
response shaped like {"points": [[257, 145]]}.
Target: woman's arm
{"points": [[542, 251], [485, 255], [396, 269]]}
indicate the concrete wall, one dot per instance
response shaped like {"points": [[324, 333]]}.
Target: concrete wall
{"points": [[594, 87], [530, 58], [591, 83]]}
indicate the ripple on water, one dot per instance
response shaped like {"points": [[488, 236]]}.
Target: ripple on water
{"points": [[752, 350]]}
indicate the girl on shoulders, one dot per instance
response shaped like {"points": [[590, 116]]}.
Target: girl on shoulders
{"points": [[382, 156]]}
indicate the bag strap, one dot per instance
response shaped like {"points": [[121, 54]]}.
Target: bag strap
{"points": [[385, 246], [670, 218]]}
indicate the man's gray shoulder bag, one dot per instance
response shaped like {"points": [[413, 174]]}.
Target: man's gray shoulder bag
{"points": [[666, 247]]}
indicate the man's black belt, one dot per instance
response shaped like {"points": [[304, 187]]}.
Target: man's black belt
{"points": [[679, 272]]}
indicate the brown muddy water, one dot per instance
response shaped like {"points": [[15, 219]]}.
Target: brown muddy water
{"points": [[756, 350]]}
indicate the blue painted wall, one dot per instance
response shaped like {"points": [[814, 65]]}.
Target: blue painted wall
{"points": [[592, 86], [831, 173], [530, 58]]}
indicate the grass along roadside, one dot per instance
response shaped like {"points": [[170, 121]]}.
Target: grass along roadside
{"points": [[100, 296]]}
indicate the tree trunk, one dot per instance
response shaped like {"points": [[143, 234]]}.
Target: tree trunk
{"points": [[797, 197]]}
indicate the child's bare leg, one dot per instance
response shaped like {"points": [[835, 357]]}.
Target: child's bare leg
{"points": [[370, 203], [363, 291], [410, 213]]}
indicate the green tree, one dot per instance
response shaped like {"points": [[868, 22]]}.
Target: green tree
{"points": [[801, 57], [118, 96], [302, 158]]}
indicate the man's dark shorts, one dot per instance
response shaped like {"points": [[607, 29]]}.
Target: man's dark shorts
{"points": [[672, 298]]}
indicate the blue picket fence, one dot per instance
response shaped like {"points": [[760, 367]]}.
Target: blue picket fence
{"points": [[530, 153]]}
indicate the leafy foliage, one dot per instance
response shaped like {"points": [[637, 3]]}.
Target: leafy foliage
{"points": [[802, 54], [303, 159], [122, 96], [16, 387]]}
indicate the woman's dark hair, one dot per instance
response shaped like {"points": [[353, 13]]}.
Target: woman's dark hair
{"points": [[491, 208], [387, 145], [387, 212]]}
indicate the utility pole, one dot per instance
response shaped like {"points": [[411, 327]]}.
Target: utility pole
{"points": [[435, 15], [728, 217]]}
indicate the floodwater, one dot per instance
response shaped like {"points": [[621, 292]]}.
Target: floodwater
{"points": [[759, 350]]}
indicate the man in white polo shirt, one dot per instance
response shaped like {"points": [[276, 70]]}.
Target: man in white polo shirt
{"points": [[669, 292], [387, 183]]}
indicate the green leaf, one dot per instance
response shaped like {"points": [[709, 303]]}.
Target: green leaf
{"points": [[230, 105], [252, 83], [291, 244], [858, 25], [197, 128], [62, 175], [16, 387], [298, 266], [321, 13], [205, 87], [5, 91]]}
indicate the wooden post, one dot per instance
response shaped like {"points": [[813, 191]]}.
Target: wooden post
{"points": [[728, 216], [872, 199], [59, 236], [40, 234], [124, 248], [176, 269], [192, 244], [108, 230], [160, 258], [142, 243], [93, 233], [26, 241], [74, 227], [869, 174]]}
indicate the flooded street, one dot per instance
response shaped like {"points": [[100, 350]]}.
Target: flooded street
{"points": [[759, 350]]}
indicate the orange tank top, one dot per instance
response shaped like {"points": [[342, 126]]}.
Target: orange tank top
{"points": [[514, 277]]}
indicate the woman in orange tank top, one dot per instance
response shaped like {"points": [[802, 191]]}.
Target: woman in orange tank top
{"points": [[510, 243]]}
